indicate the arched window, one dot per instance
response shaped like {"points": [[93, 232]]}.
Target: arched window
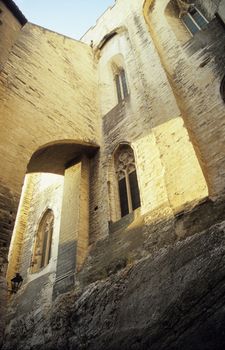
{"points": [[118, 79], [127, 180], [121, 84], [43, 242]]}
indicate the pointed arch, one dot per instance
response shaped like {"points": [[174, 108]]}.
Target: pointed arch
{"points": [[43, 242]]}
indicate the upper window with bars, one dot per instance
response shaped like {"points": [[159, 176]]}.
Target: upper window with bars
{"points": [[194, 20], [128, 189]]}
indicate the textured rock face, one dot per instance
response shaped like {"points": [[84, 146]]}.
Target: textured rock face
{"points": [[172, 301], [184, 58], [3, 287], [33, 109]]}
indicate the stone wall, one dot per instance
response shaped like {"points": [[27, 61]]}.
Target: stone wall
{"points": [[47, 94], [74, 228], [36, 292], [195, 69], [168, 296], [33, 109], [47, 194], [149, 119], [18, 236], [4, 292], [173, 120]]}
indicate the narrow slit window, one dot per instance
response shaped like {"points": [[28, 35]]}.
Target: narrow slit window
{"points": [[124, 83], [124, 207], [118, 87]]}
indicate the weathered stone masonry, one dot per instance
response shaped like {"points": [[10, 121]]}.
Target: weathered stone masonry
{"points": [[138, 79]]}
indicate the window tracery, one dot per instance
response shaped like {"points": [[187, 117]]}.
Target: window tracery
{"points": [[127, 180], [43, 242], [191, 17]]}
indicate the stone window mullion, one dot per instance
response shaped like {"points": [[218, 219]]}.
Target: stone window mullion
{"points": [[128, 191]]}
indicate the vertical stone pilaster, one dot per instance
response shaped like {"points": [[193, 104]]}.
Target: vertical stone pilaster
{"points": [[74, 228], [66, 263], [83, 234]]}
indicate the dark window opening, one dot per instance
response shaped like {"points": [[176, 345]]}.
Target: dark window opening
{"points": [[118, 88], [222, 89], [43, 243], [194, 20], [123, 197], [135, 196]]}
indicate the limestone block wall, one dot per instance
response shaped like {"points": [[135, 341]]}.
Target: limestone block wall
{"points": [[149, 118], [69, 230], [211, 7], [4, 291], [47, 93], [47, 194], [74, 228], [10, 25], [9, 31], [18, 236], [84, 216], [195, 68], [163, 118]]}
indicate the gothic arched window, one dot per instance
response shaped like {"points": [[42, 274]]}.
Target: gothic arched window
{"points": [[222, 89], [43, 242], [127, 180]]}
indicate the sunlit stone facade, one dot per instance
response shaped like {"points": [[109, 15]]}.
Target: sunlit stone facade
{"points": [[120, 131]]}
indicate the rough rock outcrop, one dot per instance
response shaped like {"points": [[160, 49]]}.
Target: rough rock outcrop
{"points": [[3, 288], [172, 300]]}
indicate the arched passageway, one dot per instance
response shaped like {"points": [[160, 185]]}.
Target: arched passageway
{"points": [[70, 161]]}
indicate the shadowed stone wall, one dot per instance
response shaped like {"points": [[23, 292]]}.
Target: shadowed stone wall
{"points": [[167, 296]]}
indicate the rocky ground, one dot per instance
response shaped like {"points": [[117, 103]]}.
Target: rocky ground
{"points": [[174, 299]]}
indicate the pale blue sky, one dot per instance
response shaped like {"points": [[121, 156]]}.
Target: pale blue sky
{"points": [[69, 17]]}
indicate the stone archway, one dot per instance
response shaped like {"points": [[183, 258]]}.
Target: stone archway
{"points": [[57, 157]]}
